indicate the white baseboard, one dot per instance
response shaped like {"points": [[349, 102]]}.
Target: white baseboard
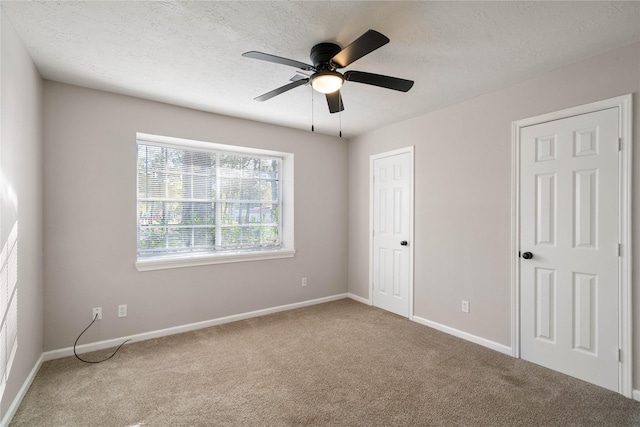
{"points": [[465, 335], [636, 395], [359, 298], [100, 345], [21, 393]]}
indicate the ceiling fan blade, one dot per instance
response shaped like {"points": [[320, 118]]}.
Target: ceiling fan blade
{"points": [[278, 60], [387, 82], [334, 99], [281, 90], [363, 45]]}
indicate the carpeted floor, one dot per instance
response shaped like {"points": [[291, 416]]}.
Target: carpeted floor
{"points": [[336, 364]]}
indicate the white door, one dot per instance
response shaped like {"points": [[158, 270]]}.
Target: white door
{"points": [[569, 225], [391, 215]]}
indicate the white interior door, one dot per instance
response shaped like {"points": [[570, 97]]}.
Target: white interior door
{"points": [[569, 224], [392, 232]]}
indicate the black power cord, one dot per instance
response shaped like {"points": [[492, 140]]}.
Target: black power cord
{"points": [[89, 361]]}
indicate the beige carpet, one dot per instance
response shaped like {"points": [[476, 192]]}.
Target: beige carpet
{"points": [[336, 364]]}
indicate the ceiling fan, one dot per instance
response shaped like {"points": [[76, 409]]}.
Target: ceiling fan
{"points": [[327, 58]]}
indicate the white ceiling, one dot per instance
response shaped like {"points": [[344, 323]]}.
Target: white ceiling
{"points": [[189, 53]]}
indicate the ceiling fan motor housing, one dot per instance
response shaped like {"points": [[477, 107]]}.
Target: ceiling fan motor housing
{"points": [[322, 53]]}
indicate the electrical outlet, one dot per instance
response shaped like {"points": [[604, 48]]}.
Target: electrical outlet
{"points": [[122, 310], [304, 281], [465, 306], [96, 311]]}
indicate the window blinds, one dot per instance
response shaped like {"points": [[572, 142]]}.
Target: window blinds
{"points": [[203, 201]]}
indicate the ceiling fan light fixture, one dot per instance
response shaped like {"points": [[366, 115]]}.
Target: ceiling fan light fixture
{"points": [[327, 81]]}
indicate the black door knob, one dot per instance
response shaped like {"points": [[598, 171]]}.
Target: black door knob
{"points": [[527, 255], [404, 243]]}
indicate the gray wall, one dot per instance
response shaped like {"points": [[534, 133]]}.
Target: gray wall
{"points": [[90, 225], [21, 197], [462, 193]]}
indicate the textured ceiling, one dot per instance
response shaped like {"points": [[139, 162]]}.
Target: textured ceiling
{"points": [[189, 53]]}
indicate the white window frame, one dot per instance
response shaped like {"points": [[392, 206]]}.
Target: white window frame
{"points": [[194, 259]]}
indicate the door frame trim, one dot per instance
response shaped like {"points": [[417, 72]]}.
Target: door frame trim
{"points": [[624, 103], [372, 158]]}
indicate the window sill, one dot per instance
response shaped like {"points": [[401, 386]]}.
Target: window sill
{"points": [[207, 259]]}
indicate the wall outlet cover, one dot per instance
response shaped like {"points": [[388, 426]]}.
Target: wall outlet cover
{"points": [[465, 306]]}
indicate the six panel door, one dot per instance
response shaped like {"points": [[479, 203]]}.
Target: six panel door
{"points": [[569, 223], [391, 228]]}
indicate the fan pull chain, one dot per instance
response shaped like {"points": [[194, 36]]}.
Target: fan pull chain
{"points": [[312, 129], [340, 113]]}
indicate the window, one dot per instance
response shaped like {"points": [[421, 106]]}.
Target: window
{"points": [[202, 203], [8, 305]]}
